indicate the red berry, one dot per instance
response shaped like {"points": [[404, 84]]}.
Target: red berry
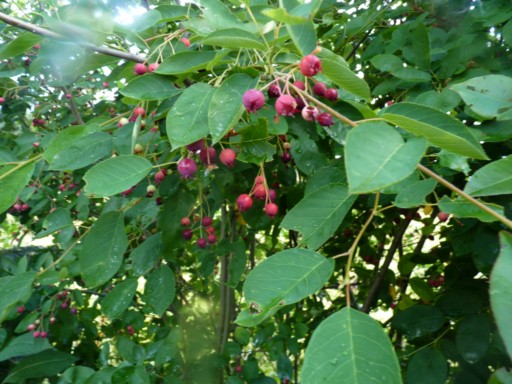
{"points": [[319, 88], [310, 65], [185, 41], [273, 91], [299, 84], [196, 146], [272, 195], [208, 155], [43, 335], [239, 368], [227, 157], [325, 119], [37, 46], [35, 144], [212, 239], [300, 103], [244, 202], [140, 69], [309, 113], [139, 111], [253, 100], [69, 96], [36, 334], [185, 221], [187, 168], [331, 94], [443, 216], [286, 105], [206, 221], [20, 309], [260, 192], [201, 242], [106, 84], [159, 176], [271, 210], [259, 180], [187, 234], [41, 122], [153, 66], [210, 230], [286, 157]]}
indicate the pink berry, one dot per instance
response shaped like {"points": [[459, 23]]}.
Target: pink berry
{"points": [[187, 234], [206, 221], [106, 84], [309, 113], [196, 146], [153, 66], [159, 176], [43, 334], [201, 242], [273, 91], [2, 100], [331, 94], [227, 157], [208, 155], [320, 88], [20, 309], [325, 119], [73, 311], [212, 239], [272, 195], [36, 334], [244, 202], [41, 121], [271, 210], [310, 65], [37, 46], [260, 192], [35, 144], [253, 100], [443, 216], [259, 180], [300, 84], [140, 69], [185, 41], [69, 96], [185, 221], [139, 111], [286, 105], [239, 368], [31, 327], [187, 168]]}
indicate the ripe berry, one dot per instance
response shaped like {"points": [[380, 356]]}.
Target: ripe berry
{"points": [[244, 202], [2, 100], [20, 309], [187, 168], [37, 46], [206, 221], [196, 146], [273, 91], [43, 334], [443, 216], [227, 157], [140, 69], [139, 111], [325, 119], [201, 242], [300, 84], [286, 105], [208, 155], [35, 144], [260, 192], [31, 327], [106, 84], [259, 180], [239, 368], [300, 103], [212, 239], [272, 195], [160, 176], [153, 66], [253, 100], [310, 65], [210, 230], [331, 94], [271, 210], [69, 96], [309, 113], [185, 221], [36, 334], [185, 41], [319, 88], [187, 234], [286, 157]]}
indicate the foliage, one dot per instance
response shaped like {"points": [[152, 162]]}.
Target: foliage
{"points": [[386, 257]]}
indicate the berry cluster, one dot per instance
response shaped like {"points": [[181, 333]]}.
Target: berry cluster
{"points": [[260, 191], [205, 223]]}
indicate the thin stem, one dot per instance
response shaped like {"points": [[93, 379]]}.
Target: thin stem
{"points": [[20, 165], [353, 248], [469, 198]]}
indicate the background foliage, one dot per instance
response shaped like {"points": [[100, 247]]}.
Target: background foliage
{"points": [[389, 260]]}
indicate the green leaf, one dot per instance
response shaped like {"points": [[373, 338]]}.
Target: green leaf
{"points": [[336, 69], [501, 290], [83, 152], [282, 16], [238, 262], [159, 290], [427, 366], [437, 127], [150, 87], [463, 208], [234, 38], [415, 194], [119, 299], [67, 137], [418, 321], [350, 347], [146, 255], [185, 62], [58, 220], [187, 121], [255, 143], [303, 35], [76, 375], [103, 249], [174, 12], [492, 179], [14, 291], [21, 45], [23, 345], [376, 157], [226, 106], [266, 291], [319, 214], [386, 62], [43, 364], [473, 337], [422, 289], [489, 96], [411, 74], [116, 175], [13, 178]]}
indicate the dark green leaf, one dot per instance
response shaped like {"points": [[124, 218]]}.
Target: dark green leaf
{"points": [[473, 337], [14, 291], [23, 345], [119, 299], [67, 137], [146, 255], [13, 178], [418, 321], [150, 87], [427, 366], [159, 290], [234, 38], [492, 179], [22, 44], [186, 62]]}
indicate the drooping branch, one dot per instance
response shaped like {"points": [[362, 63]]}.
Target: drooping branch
{"points": [[53, 35]]}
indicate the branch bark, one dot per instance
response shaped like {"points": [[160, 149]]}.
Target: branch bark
{"points": [[52, 35]]}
